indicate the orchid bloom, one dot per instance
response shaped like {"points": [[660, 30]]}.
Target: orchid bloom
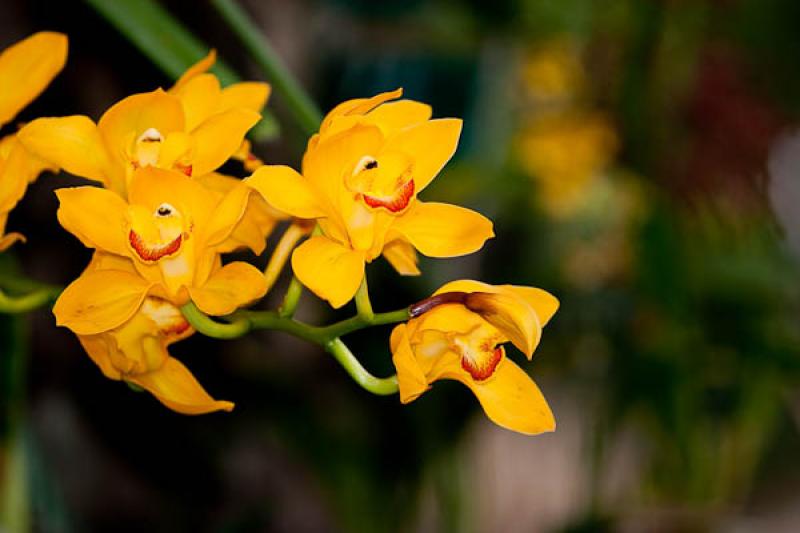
{"points": [[170, 229], [26, 69], [133, 346], [193, 128], [361, 176], [461, 337]]}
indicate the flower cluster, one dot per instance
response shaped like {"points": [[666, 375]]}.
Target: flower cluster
{"points": [[163, 217]]}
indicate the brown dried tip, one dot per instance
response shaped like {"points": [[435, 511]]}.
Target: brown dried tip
{"points": [[427, 304]]}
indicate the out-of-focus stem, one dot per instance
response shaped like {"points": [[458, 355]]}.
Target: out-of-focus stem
{"points": [[28, 302], [282, 252], [303, 109]]}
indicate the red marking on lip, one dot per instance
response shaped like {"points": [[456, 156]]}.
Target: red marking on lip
{"points": [[153, 253], [186, 169], [397, 202], [484, 369]]}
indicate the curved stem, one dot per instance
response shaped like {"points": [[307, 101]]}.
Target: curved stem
{"points": [[292, 298], [282, 252], [363, 305], [297, 100], [210, 327], [27, 302], [327, 336], [379, 386], [355, 323]]}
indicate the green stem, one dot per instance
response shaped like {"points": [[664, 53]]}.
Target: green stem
{"points": [[27, 302], [326, 336], [379, 386], [363, 305], [211, 328], [292, 298], [302, 107]]}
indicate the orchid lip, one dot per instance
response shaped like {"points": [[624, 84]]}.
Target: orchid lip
{"points": [[481, 371], [395, 203], [176, 329], [152, 253]]}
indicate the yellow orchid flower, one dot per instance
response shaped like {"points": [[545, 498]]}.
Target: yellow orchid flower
{"points": [[361, 176], [26, 68], [133, 347], [459, 335], [170, 228], [193, 128]]}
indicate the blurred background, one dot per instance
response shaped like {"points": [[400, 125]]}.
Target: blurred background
{"points": [[640, 160]]}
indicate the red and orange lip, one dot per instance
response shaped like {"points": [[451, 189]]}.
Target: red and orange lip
{"points": [[152, 253], [394, 203]]}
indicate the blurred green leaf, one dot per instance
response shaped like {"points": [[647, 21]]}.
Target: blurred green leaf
{"points": [[170, 45]]}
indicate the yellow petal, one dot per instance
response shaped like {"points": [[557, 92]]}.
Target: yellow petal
{"points": [[393, 116], [176, 150], [9, 239], [226, 215], [332, 271], [233, 286], [249, 94], [360, 106], [257, 223], [448, 318], [13, 174], [129, 118], [198, 68], [100, 301], [152, 186], [430, 145], [95, 216], [287, 191], [219, 137], [200, 97], [26, 68], [544, 303], [511, 399], [518, 312], [443, 230], [511, 315], [410, 377], [99, 351], [403, 257], [254, 228], [175, 386], [105, 261], [326, 165], [72, 143]]}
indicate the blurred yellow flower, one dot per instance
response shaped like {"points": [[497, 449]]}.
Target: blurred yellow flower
{"points": [[193, 128], [26, 68], [361, 176], [133, 347], [460, 337], [565, 153], [552, 72], [170, 229]]}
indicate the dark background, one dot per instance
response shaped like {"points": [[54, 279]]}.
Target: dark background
{"points": [[639, 161]]}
